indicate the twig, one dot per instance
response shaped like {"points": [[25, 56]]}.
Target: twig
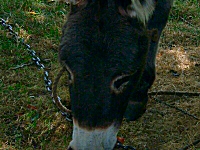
{"points": [[181, 110], [190, 24], [190, 145], [177, 93], [21, 66]]}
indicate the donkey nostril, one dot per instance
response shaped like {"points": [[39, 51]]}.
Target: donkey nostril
{"points": [[119, 83], [70, 74]]}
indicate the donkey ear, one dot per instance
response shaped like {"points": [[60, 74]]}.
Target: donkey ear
{"points": [[142, 9], [76, 2], [75, 5]]}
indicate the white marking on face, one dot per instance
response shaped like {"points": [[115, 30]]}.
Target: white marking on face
{"points": [[97, 139], [142, 11]]}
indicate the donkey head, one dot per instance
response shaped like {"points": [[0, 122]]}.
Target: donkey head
{"points": [[104, 53]]}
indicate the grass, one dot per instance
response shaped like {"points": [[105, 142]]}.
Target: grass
{"points": [[29, 119]]}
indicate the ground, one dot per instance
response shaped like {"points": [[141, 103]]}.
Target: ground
{"points": [[29, 119]]}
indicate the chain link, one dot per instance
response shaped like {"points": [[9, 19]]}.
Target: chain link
{"points": [[127, 147], [36, 60]]}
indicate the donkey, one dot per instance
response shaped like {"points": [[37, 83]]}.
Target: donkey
{"points": [[108, 48]]}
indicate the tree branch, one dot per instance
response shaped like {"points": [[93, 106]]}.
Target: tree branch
{"points": [[177, 93], [172, 106]]}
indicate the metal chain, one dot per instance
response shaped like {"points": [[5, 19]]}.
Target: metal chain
{"points": [[36, 60], [127, 147]]}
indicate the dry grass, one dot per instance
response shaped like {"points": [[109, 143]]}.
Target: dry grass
{"points": [[29, 119]]}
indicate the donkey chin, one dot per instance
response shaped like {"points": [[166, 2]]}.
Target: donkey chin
{"points": [[95, 139]]}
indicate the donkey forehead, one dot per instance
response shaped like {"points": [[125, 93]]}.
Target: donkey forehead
{"points": [[100, 59], [106, 68]]}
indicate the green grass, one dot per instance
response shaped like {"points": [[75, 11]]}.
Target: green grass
{"points": [[27, 113], [28, 118]]}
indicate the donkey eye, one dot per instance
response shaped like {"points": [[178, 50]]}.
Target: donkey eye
{"points": [[70, 74], [120, 83]]}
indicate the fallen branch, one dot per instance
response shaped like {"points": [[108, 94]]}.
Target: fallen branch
{"points": [[177, 93], [172, 106], [190, 145]]}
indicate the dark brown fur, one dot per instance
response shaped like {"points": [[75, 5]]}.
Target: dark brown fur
{"points": [[100, 43]]}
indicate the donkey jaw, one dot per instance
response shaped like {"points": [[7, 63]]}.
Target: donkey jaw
{"points": [[95, 139]]}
